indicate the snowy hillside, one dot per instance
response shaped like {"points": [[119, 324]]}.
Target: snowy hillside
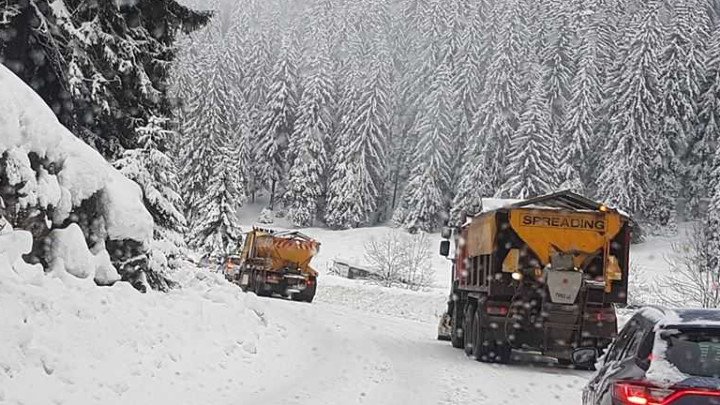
{"points": [[55, 183]]}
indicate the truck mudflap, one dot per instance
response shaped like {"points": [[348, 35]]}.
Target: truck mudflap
{"points": [[444, 327]]}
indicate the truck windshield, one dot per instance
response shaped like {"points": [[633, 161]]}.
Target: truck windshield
{"points": [[696, 353]]}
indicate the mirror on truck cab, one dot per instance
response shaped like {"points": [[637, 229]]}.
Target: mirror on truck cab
{"points": [[445, 248], [446, 232]]}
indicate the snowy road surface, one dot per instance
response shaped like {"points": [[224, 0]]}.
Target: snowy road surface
{"points": [[336, 355]]}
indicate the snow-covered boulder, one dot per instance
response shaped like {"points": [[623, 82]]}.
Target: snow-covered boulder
{"points": [[14, 244], [64, 192], [70, 253]]}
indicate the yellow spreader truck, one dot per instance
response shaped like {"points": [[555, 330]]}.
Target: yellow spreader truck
{"points": [[274, 262], [539, 275]]}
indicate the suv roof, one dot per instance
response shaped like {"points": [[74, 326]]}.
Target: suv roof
{"points": [[682, 317]]}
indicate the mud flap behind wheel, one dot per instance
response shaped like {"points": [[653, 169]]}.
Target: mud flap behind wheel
{"points": [[444, 328]]}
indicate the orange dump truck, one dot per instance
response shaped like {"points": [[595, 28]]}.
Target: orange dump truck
{"points": [[540, 275], [273, 262]]}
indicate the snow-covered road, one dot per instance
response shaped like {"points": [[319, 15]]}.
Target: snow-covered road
{"points": [[336, 355]]}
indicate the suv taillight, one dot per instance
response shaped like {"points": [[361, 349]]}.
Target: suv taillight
{"points": [[642, 393], [638, 393]]}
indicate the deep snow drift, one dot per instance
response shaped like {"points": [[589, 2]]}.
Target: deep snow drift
{"points": [[65, 340], [65, 173]]}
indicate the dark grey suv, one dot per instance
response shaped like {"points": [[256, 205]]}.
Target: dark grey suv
{"points": [[661, 356]]}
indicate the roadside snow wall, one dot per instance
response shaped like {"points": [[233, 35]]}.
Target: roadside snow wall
{"points": [[64, 193], [65, 341]]}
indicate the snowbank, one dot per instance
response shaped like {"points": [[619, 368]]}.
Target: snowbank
{"points": [[66, 172], [124, 212], [66, 341]]}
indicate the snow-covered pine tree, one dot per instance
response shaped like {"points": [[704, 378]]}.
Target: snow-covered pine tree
{"points": [[183, 81], [423, 205], [497, 117], [531, 167], [585, 94], [358, 171], [277, 121], [211, 177], [682, 75], [628, 149], [478, 174], [307, 178], [404, 44], [698, 158], [103, 65], [557, 58], [156, 173], [239, 144], [712, 223], [473, 185], [470, 66], [104, 68], [216, 230]]}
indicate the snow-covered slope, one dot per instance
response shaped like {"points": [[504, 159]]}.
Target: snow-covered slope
{"points": [[67, 341], [54, 169]]}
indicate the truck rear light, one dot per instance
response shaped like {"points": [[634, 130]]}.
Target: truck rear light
{"points": [[642, 393], [310, 282], [497, 310]]}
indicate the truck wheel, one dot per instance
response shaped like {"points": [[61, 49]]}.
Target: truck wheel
{"points": [[305, 295], [482, 347], [469, 329], [259, 288], [456, 338], [503, 352], [309, 293]]}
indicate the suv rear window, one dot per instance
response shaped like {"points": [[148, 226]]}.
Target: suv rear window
{"points": [[696, 353]]}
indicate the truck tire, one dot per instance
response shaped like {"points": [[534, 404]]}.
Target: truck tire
{"points": [[481, 347], [485, 349], [259, 287], [469, 328], [310, 292], [503, 353], [456, 337], [305, 295]]}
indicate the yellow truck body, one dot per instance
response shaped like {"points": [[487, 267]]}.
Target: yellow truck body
{"points": [[272, 262]]}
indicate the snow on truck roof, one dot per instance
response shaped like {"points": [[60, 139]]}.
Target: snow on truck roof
{"points": [[283, 234], [565, 199], [492, 204]]}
